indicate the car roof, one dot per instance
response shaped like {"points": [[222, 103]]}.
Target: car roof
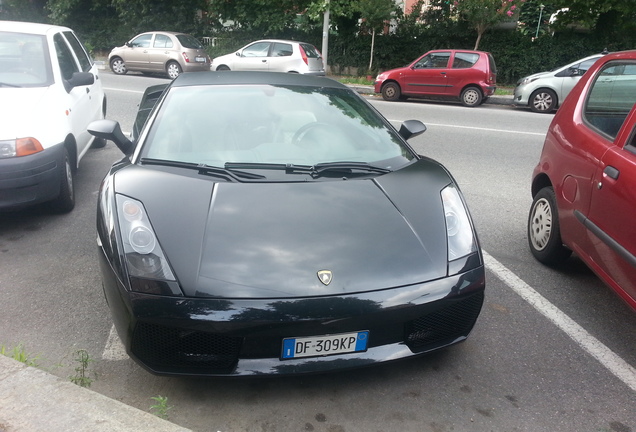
{"points": [[32, 28], [282, 40], [161, 32], [458, 50], [255, 78]]}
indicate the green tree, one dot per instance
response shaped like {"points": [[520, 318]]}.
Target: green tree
{"points": [[256, 16], [171, 15], [23, 10], [376, 14], [609, 18], [483, 14], [95, 21]]}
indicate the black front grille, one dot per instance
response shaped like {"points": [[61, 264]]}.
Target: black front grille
{"points": [[445, 325], [165, 349]]}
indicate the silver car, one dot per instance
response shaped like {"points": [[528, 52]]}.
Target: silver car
{"points": [[543, 92], [273, 56], [160, 52]]}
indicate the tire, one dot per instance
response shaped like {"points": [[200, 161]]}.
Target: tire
{"points": [[173, 69], [544, 232], [65, 201], [118, 66], [543, 101], [222, 68], [471, 97], [391, 92]]}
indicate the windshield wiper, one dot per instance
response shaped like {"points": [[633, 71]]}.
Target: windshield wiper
{"points": [[316, 170], [349, 167], [224, 173]]}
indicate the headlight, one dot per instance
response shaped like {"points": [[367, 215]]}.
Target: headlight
{"points": [[147, 266], [527, 80], [459, 232], [19, 147]]}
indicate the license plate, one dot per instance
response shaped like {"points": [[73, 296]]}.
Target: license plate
{"points": [[200, 59], [315, 346]]}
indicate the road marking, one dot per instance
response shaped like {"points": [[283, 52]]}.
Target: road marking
{"points": [[122, 90], [516, 132], [610, 360], [114, 349]]}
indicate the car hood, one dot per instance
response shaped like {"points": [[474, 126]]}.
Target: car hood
{"points": [[18, 109], [265, 240], [539, 75]]}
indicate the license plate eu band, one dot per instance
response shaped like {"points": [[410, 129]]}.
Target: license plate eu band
{"points": [[315, 346]]}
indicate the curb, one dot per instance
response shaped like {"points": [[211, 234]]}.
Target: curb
{"points": [[32, 400]]}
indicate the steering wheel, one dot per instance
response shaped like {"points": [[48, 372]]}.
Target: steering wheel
{"points": [[308, 129]]}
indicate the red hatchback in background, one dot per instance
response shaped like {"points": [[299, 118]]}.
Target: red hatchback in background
{"points": [[584, 187], [470, 76]]}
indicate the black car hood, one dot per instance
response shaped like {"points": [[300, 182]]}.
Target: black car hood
{"points": [[265, 240]]}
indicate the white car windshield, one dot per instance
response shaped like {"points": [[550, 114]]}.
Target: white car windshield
{"points": [[24, 60]]}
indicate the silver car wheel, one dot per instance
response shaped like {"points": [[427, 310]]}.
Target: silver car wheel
{"points": [[543, 101], [173, 69], [118, 66], [540, 224]]}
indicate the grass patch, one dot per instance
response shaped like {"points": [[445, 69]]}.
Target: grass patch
{"points": [[18, 353], [161, 407], [354, 80]]}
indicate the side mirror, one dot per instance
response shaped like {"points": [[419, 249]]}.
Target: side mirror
{"points": [[111, 130], [79, 79], [239, 54], [412, 128], [129, 44]]}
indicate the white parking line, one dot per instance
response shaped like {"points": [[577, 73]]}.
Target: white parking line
{"points": [[123, 90], [114, 349], [516, 132], [610, 360]]}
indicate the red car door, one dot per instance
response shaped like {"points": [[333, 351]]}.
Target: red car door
{"points": [[428, 75], [611, 217]]}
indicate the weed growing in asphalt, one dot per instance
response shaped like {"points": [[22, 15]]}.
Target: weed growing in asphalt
{"points": [[161, 407], [82, 375], [18, 353]]}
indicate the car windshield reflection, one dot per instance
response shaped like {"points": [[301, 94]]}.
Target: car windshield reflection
{"points": [[266, 124]]}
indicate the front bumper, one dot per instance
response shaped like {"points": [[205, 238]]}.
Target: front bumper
{"points": [[520, 96], [220, 336], [32, 179]]}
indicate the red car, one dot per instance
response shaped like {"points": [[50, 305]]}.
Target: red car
{"points": [[470, 76], [584, 187]]}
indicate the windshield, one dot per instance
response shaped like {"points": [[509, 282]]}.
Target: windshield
{"points": [[279, 125], [24, 60]]}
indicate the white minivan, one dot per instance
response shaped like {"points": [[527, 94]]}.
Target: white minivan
{"points": [[50, 91]]}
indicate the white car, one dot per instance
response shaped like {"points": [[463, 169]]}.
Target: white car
{"points": [[543, 92], [273, 56], [50, 91]]}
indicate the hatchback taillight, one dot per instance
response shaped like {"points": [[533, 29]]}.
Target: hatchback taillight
{"points": [[303, 55], [185, 57]]}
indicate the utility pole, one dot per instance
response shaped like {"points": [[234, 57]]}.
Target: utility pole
{"points": [[325, 36]]}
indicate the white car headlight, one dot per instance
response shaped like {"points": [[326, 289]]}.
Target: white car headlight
{"points": [[459, 232]]}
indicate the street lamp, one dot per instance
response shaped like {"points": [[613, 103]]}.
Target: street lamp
{"points": [[539, 23]]}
